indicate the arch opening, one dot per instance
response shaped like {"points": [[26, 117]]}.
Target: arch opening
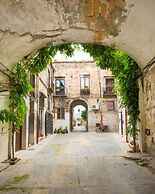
{"points": [[112, 23], [78, 116]]}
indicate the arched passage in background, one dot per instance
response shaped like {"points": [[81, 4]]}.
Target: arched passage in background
{"points": [[72, 106]]}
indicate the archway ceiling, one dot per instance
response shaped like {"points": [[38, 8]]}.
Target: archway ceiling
{"points": [[78, 102], [26, 26]]}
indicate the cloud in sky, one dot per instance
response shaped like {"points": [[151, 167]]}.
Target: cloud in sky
{"points": [[79, 55]]}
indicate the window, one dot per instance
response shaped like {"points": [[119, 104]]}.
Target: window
{"points": [[61, 113], [84, 82], [49, 104], [109, 86], [49, 78], [110, 105], [32, 82], [85, 85], [31, 106], [60, 87], [41, 101]]}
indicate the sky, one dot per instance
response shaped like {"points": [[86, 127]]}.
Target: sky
{"points": [[78, 110], [79, 55]]}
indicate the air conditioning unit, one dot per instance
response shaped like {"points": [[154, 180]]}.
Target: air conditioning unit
{"points": [[95, 107]]}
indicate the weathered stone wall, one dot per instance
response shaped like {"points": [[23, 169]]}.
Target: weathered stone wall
{"points": [[26, 26], [72, 71], [43, 88], [149, 93]]}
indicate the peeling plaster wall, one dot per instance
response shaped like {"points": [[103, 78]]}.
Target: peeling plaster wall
{"points": [[26, 26], [149, 102], [71, 72]]}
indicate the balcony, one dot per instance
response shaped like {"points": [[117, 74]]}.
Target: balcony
{"points": [[109, 93], [62, 93], [85, 92]]}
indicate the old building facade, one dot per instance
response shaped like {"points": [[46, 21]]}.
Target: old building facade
{"points": [[83, 83], [38, 121], [39, 118], [147, 114]]}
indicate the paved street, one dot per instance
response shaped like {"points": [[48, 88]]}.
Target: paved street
{"points": [[77, 163]]}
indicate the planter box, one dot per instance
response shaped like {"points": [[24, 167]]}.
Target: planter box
{"points": [[12, 162]]}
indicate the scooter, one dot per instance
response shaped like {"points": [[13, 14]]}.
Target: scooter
{"points": [[102, 129]]}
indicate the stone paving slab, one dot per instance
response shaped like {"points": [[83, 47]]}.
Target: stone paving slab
{"points": [[82, 163]]}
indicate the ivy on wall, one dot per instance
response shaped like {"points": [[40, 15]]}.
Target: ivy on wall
{"points": [[20, 86], [41, 59], [125, 70], [127, 73]]}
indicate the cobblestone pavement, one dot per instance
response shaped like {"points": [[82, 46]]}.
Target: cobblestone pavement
{"points": [[77, 163]]}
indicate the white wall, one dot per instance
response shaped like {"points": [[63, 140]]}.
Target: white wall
{"points": [[3, 131], [93, 118], [110, 118], [57, 123]]}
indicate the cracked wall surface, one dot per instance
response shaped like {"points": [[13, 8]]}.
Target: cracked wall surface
{"points": [[28, 25]]}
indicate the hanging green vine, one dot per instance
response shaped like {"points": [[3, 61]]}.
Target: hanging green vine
{"points": [[19, 88], [41, 59], [20, 85], [125, 70], [127, 74]]}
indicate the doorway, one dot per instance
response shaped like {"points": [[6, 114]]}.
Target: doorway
{"points": [[78, 116]]}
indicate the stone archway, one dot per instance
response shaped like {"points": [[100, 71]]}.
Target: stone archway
{"points": [[27, 26], [73, 104]]}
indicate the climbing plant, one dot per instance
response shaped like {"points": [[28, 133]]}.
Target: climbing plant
{"points": [[84, 115], [125, 70], [127, 73], [39, 60], [20, 86]]}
